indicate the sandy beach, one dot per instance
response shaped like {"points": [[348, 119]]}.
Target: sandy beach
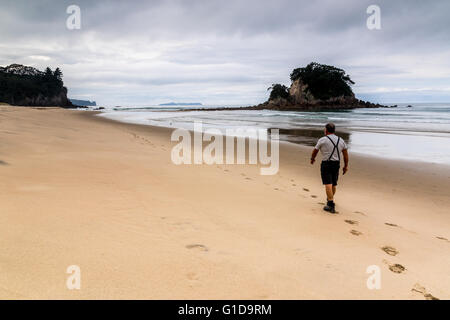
{"points": [[76, 189]]}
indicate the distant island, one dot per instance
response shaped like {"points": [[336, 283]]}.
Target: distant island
{"points": [[27, 86], [316, 87], [83, 103], [181, 104]]}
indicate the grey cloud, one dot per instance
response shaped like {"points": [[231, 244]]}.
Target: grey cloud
{"points": [[203, 47]]}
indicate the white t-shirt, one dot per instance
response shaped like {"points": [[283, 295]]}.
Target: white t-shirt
{"points": [[326, 147]]}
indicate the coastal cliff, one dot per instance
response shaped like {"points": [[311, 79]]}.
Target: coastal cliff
{"points": [[27, 86]]}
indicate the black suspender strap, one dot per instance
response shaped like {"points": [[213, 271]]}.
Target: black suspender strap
{"points": [[335, 147]]}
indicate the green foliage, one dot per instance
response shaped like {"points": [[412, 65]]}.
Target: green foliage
{"points": [[17, 87], [278, 91], [324, 82]]}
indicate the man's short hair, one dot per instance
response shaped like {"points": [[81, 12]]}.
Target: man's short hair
{"points": [[331, 128]]}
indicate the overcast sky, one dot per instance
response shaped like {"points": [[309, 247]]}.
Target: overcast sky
{"points": [[229, 52]]}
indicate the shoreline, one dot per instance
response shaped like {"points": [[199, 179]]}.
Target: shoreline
{"points": [[302, 140], [104, 195]]}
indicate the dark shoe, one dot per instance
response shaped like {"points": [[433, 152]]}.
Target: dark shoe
{"points": [[330, 207]]}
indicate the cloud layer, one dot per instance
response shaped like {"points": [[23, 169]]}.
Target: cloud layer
{"points": [[229, 52]]}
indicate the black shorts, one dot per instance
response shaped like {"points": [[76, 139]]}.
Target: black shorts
{"points": [[329, 170]]}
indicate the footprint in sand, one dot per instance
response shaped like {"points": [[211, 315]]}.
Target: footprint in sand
{"points": [[293, 184], [390, 250], [355, 232], [304, 189], [442, 238], [248, 178], [322, 203], [351, 222], [197, 246], [313, 196], [359, 212], [192, 276], [418, 288], [397, 268], [276, 189], [391, 224]]}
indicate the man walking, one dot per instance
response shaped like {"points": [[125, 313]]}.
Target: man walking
{"points": [[331, 147]]}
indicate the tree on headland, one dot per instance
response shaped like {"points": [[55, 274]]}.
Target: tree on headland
{"points": [[324, 81], [58, 74], [278, 91], [48, 73]]}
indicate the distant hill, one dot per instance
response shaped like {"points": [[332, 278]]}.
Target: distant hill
{"points": [[181, 104], [82, 103], [27, 86]]}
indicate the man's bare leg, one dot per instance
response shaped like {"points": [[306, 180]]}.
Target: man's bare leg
{"points": [[330, 190]]}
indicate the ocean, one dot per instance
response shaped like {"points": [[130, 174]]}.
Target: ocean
{"points": [[418, 133]]}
